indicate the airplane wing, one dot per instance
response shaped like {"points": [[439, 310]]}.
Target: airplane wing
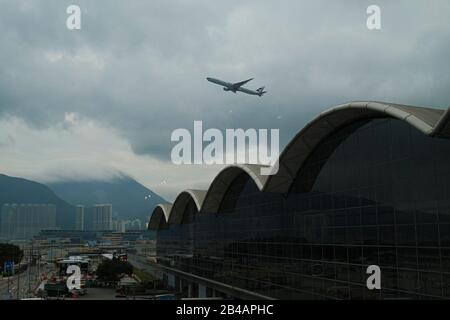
{"points": [[219, 82], [240, 84]]}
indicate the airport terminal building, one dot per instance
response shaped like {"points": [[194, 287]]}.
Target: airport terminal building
{"points": [[364, 183]]}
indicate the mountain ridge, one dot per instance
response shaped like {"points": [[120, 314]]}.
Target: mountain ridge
{"points": [[21, 190], [129, 198]]}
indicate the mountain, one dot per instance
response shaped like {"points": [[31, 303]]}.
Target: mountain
{"points": [[129, 198], [18, 190]]}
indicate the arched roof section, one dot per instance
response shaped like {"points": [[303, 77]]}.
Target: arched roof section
{"points": [[160, 216], [442, 128], [179, 206], [432, 122], [223, 180]]}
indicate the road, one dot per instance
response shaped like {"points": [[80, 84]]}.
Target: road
{"points": [[21, 281], [19, 285], [141, 263]]}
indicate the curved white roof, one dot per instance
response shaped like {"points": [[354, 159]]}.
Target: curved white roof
{"points": [[432, 122], [160, 214], [223, 180], [179, 206]]}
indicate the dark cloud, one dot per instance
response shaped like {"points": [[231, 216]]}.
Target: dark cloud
{"points": [[139, 67]]}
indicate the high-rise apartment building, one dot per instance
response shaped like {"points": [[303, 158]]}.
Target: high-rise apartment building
{"points": [[23, 221], [102, 217], [79, 218]]}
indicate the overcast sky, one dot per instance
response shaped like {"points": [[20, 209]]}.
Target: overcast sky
{"points": [[89, 103]]}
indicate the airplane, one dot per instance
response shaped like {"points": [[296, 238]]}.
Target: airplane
{"points": [[234, 87]]}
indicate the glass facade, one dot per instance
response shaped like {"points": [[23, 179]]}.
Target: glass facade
{"points": [[376, 192]]}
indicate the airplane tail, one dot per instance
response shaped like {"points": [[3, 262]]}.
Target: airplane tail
{"points": [[261, 91]]}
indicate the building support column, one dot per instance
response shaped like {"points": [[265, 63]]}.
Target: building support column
{"points": [[190, 290]]}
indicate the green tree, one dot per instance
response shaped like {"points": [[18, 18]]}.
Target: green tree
{"points": [[110, 270], [9, 252]]}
